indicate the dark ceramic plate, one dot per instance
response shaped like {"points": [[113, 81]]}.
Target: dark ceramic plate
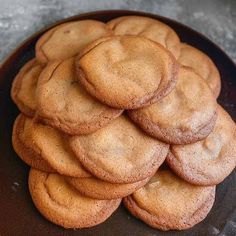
{"points": [[18, 216]]}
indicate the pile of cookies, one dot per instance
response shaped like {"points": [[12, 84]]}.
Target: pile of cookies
{"points": [[121, 110]]}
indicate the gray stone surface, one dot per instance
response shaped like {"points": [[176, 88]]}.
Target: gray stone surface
{"points": [[214, 18]]}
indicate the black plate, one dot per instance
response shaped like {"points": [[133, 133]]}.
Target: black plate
{"points": [[19, 217]]}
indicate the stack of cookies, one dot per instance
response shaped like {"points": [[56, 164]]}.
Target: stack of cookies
{"points": [[121, 110]]}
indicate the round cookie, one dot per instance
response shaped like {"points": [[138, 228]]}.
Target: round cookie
{"points": [[66, 40], [119, 152], [21, 145], [24, 86], [185, 115], [127, 72], [99, 189], [63, 205], [201, 64], [168, 203], [65, 105], [210, 161], [52, 146], [148, 28]]}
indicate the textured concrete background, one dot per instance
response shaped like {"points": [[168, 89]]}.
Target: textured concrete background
{"points": [[214, 18]]}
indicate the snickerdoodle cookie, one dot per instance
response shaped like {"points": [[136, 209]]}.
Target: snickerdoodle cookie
{"points": [[167, 202], [210, 161], [22, 145], [148, 28], [185, 115], [50, 145], [127, 72], [24, 87], [120, 152], [65, 105], [66, 40], [201, 64], [63, 205]]}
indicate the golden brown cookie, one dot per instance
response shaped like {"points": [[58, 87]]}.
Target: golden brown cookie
{"points": [[22, 146], [201, 64], [127, 72], [99, 189], [63, 205], [148, 28], [51, 145], [185, 115], [119, 152], [66, 40], [168, 203], [210, 161], [64, 104], [24, 86]]}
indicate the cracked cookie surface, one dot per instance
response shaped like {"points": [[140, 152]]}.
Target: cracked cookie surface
{"points": [[119, 152], [126, 72], [65, 105]]}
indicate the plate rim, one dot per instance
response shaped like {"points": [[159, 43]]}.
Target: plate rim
{"points": [[10, 58]]}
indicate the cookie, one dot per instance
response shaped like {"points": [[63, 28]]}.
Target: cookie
{"points": [[148, 28], [127, 72], [210, 161], [201, 64], [21, 145], [24, 86], [66, 40], [185, 115], [65, 105], [168, 203], [63, 205], [51, 145], [119, 152], [99, 189]]}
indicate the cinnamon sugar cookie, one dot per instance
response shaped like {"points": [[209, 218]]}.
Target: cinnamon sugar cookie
{"points": [[24, 86], [148, 28], [201, 64], [127, 72], [63, 205], [210, 161], [168, 203], [119, 152], [22, 146], [66, 40], [185, 115], [65, 105], [51, 145]]}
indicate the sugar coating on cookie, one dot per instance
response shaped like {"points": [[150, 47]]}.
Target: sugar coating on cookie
{"points": [[167, 202], [210, 161], [119, 152], [126, 71], [66, 40], [24, 87], [21, 141], [51, 145], [185, 115], [201, 64], [63, 103], [149, 28], [63, 205], [99, 189]]}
